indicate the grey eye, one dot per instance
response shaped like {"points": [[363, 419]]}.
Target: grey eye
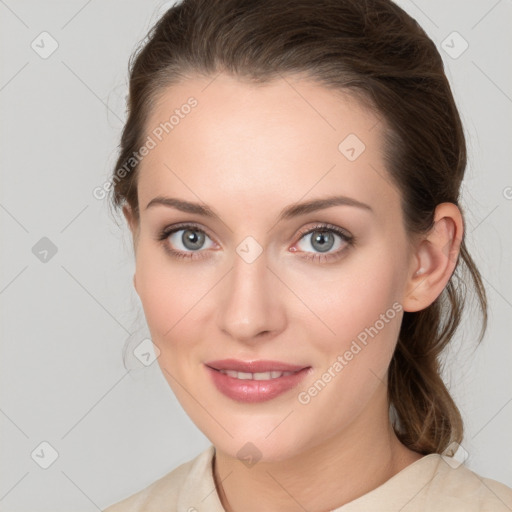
{"points": [[322, 240], [189, 240], [194, 238]]}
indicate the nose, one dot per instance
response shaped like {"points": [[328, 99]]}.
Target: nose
{"points": [[250, 306]]}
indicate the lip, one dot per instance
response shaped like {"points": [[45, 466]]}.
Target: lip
{"points": [[251, 390], [253, 366]]}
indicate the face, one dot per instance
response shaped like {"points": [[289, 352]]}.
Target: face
{"points": [[316, 291]]}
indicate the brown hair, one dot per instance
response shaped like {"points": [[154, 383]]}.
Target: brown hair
{"points": [[377, 52]]}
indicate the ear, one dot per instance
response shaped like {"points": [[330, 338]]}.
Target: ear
{"points": [[435, 258], [130, 219], [134, 228]]}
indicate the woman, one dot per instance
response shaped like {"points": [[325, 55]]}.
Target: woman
{"points": [[290, 172]]}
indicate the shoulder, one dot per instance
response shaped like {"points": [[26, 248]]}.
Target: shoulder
{"points": [[435, 483], [179, 484], [456, 487]]}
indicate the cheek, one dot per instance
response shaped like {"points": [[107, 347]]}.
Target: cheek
{"points": [[346, 298], [366, 324], [161, 291], [172, 295], [353, 297], [361, 305], [353, 368], [180, 301], [168, 296]]}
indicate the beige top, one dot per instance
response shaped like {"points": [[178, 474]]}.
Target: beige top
{"points": [[430, 484]]}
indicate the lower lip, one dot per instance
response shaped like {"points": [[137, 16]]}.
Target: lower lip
{"points": [[252, 391]]}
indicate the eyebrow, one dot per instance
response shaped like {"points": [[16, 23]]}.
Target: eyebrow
{"points": [[294, 210]]}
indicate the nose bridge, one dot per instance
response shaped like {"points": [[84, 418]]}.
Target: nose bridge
{"points": [[250, 302]]}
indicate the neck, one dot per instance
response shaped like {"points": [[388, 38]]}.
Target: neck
{"points": [[332, 473]]}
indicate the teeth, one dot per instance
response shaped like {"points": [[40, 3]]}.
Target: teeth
{"points": [[255, 376]]}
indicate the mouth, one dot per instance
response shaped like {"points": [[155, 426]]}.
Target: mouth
{"points": [[254, 381], [255, 376], [254, 367]]}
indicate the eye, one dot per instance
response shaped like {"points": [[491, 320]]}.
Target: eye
{"points": [[185, 241], [324, 238], [188, 240]]}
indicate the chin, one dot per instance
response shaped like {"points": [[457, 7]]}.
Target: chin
{"points": [[256, 446]]}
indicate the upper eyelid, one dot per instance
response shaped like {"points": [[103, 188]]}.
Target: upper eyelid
{"points": [[169, 230], [325, 226], [337, 230]]}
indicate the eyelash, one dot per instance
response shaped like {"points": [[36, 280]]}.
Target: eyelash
{"points": [[196, 255]]}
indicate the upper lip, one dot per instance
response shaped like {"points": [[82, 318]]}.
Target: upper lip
{"points": [[253, 366]]}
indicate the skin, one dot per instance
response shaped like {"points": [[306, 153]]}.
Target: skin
{"points": [[249, 151]]}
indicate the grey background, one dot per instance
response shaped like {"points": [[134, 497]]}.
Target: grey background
{"points": [[64, 321]]}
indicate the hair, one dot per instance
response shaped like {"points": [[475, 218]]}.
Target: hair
{"points": [[375, 51]]}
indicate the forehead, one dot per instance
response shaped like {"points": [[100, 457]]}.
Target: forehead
{"points": [[228, 140]]}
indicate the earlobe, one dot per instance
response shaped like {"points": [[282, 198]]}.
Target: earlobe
{"points": [[435, 258]]}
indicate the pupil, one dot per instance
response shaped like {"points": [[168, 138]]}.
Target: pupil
{"points": [[192, 239], [323, 238]]}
